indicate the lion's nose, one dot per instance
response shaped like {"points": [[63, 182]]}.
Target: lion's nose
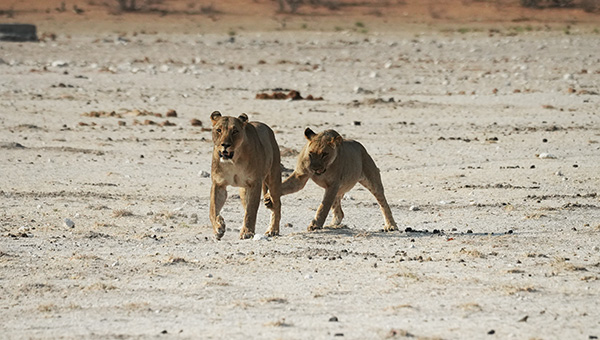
{"points": [[225, 145]]}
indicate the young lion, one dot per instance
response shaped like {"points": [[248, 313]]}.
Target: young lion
{"points": [[245, 155], [336, 165]]}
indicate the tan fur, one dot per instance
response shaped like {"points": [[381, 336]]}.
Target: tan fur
{"points": [[336, 165], [245, 155]]}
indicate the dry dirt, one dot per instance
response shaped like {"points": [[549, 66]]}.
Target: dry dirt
{"points": [[487, 135]]}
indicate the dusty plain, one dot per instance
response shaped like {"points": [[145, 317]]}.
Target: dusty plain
{"points": [[487, 135]]}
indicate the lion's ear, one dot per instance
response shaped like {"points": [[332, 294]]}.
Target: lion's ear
{"points": [[214, 117], [243, 117], [309, 134], [336, 141]]}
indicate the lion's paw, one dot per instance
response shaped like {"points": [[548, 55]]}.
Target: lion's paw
{"points": [[272, 233], [219, 228], [314, 226], [246, 234], [268, 201], [390, 227]]}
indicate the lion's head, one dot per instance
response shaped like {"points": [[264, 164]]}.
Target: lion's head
{"points": [[227, 134], [322, 149]]}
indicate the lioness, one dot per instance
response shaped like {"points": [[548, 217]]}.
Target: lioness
{"points": [[336, 165], [245, 155]]}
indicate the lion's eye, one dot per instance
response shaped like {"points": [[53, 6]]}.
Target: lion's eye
{"points": [[219, 130], [234, 132], [324, 154]]}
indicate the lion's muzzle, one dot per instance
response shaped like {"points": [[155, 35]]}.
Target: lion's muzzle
{"points": [[226, 155], [319, 172]]}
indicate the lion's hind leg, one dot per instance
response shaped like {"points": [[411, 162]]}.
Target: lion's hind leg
{"points": [[372, 181], [338, 213]]}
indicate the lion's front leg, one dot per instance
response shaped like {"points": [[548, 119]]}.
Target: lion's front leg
{"points": [[252, 201], [218, 195], [292, 184], [328, 199]]}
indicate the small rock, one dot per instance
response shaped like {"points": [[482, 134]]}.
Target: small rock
{"points": [[69, 223], [204, 174], [60, 63], [333, 319], [414, 208], [545, 155], [209, 275]]}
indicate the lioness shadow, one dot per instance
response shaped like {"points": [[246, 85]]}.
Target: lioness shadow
{"points": [[351, 232]]}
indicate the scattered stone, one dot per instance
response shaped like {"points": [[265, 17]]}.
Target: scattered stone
{"points": [[59, 63], [171, 113], [204, 174], [414, 208], [545, 155], [167, 123], [195, 122], [11, 145], [333, 319], [69, 223], [291, 95]]}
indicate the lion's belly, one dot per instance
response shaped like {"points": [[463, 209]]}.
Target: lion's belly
{"points": [[346, 184]]}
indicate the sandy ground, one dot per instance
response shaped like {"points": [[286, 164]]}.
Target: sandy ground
{"points": [[487, 142]]}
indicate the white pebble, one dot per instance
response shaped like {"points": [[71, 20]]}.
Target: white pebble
{"points": [[204, 174], [545, 155], [60, 63], [260, 237]]}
